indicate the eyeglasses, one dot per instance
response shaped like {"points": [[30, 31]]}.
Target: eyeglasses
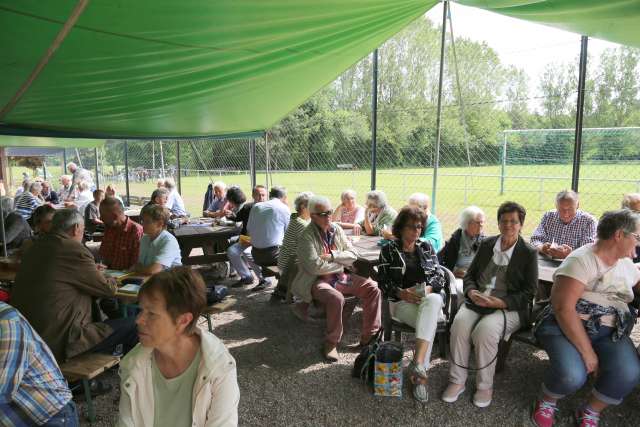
{"points": [[636, 235], [323, 214], [509, 222], [414, 226]]}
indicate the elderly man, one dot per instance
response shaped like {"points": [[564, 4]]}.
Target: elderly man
{"points": [[78, 175], [32, 388], [565, 228], [266, 226], [323, 253], [29, 200], [55, 287], [121, 242], [432, 233], [65, 193], [48, 194], [219, 203]]}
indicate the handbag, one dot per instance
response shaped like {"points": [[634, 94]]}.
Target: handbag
{"points": [[388, 369], [364, 365], [478, 309]]}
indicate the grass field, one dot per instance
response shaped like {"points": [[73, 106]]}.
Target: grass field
{"points": [[601, 187]]}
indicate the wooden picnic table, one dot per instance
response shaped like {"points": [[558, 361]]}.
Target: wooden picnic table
{"points": [[133, 212], [368, 253], [204, 235]]}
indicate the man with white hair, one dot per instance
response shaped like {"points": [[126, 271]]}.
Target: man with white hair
{"points": [[29, 200], [432, 233], [323, 253], [79, 175], [175, 204], [218, 205], [565, 228], [65, 193], [54, 288]]}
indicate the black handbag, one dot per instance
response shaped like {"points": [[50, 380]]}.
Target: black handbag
{"points": [[364, 365], [480, 310]]}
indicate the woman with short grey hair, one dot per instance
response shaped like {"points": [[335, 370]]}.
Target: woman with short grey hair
{"points": [[432, 232], [463, 244], [287, 260], [378, 215], [16, 228], [631, 201], [349, 214]]}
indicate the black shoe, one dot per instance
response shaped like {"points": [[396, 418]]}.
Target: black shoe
{"points": [[278, 295], [242, 282], [260, 286], [97, 388]]}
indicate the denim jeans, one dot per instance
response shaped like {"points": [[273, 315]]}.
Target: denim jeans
{"points": [[618, 364], [125, 333], [67, 417]]}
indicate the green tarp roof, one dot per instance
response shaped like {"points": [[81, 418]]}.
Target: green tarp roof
{"points": [[152, 68]]}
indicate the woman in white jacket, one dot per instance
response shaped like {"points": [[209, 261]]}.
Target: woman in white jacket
{"points": [[179, 375]]}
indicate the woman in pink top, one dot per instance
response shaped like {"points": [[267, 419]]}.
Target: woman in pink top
{"points": [[348, 214]]}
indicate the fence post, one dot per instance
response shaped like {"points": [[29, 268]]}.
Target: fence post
{"points": [[466, 183], [179, 177], [504, 161], [541, 193], [126, 170], [95, 151]]}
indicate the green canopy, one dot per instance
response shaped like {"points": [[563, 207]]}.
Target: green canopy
{"points": [[160, 68], [34, 141]]}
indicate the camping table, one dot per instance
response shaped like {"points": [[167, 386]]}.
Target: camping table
{"points": [[368, 253], [191, 236]]}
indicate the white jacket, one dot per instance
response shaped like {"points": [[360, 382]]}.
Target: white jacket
{"points": [[215, 394]]}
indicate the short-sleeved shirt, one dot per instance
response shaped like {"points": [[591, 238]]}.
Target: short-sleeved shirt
{"points": [[173, 398], [163, 250], [120, 248], [267, 224], [608, 286], [91, 213]]}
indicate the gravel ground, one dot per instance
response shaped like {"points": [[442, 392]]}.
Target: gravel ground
{"points": [[284, 380]]}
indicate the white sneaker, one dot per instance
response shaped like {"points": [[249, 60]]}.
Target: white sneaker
{"points": [[482, 398], [453, 392]]}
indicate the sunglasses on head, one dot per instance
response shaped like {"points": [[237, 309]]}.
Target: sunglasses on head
{"points": [[324, 214]]}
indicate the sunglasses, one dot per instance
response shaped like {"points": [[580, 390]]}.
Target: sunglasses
{"points": [[323, 214]]}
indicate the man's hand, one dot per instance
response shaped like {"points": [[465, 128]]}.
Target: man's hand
{"points": [[544, 249], [325, 257], [409, 296], [101, 267], [560, 252]]}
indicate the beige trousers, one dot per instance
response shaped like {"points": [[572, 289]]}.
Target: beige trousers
{"points": [[485, 336]]}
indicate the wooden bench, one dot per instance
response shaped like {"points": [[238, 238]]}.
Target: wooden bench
{"points": [[216, 308], [84, 368]]}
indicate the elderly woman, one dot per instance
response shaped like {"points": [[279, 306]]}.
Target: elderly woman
{"points": [[463, 244], [433, 231], [409, 276], [219, 204], [29, 200], [586, 328], [378, 215], [178, 375], [159, 197], [349, 215], [111, 191], [632, 201], [499, 288], [16, 228], [159, 249], [174, 203], [84, 197], [287, 260]]}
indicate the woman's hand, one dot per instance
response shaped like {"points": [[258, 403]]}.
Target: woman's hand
{"points": [[409, 296], [590, 359], [356, 229], [483, 300]]}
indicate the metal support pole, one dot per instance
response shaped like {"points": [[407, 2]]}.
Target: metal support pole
{"points": [[577, 149], [268, 157], [2, 232], [374, 120], [64, 161], [126, 170], [179, 172], [436, 162], [161, 160], [252, 161], [504, 162], [44, 168], [95, 151]]}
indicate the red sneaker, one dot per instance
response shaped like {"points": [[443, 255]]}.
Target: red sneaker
{"points": [[587, 418], [543, 413]]}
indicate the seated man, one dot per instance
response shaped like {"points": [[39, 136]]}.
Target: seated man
{"points": [[16, 229], [218, 205], [41, 220], [432, 233], [323, 253], [54, 289], [121, 242], [175, 204], [48, 194], [92, 221], [565, 228], [179, 375], [29, 200], [267, 223], [65, 194], [159, 249], [32, 388]]}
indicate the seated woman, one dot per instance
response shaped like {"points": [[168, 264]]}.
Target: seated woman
{"points": [[463, 244], [632, 201], [379, 216], [433, 231], [409, 276], [349, 215], [84, 197], [16, 229], [219, 204], [159, 249], [287, 259], [111, 191], [586, 328], [160, 197], [178, 375], [501, 279], [175, 204]]}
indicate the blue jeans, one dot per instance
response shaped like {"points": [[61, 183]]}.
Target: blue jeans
{"points": [[618, 364], [67, 417]]}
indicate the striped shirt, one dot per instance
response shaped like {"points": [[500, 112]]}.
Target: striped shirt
{"points": [[26, 204], [288, 250], [575, 234], [32, 388]]}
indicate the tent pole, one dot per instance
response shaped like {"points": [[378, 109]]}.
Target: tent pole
{"points": [[374, 120], [79, 159], [266, 151], [44, 168], [252, 161], [179, 177], [161, 160], [4, 237], [64, 161], [577, 150], [436, 162], [95, 151], [126, 170]]}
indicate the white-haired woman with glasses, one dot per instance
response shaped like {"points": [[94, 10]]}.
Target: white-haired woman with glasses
{"points": [[349, 214], [432, 233], [378, 216], [463, 244]]}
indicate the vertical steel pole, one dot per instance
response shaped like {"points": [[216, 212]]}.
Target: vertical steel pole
{"points": [[436, 162], [577, 149], [95, 151], [126, 170], [44, 168], [64, 161], [179, 177], [504, 162], [268, 157], [252, 161], [4, 237], [374, 120]]}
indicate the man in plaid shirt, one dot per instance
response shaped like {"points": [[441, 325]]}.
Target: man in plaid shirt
{"points": [[32, 388], [121, 242], [565, 228]]}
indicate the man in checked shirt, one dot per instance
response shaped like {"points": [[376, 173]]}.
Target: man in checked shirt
{"points": [[565, 228]]}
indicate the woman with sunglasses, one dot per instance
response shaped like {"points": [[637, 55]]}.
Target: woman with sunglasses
{"points": [[413, 282], [586, 328], [498, 289]]}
